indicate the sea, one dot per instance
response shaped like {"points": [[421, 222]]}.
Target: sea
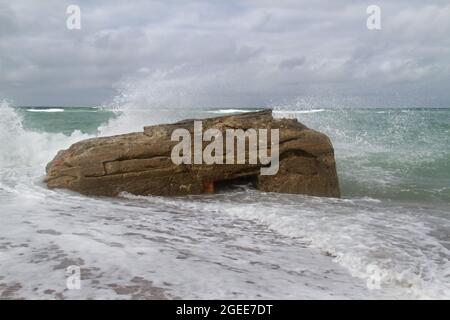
{"points": [[388, 237]]}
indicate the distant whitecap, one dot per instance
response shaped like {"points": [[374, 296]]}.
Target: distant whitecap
{"points": [[226, 111], [46, 110], [299, 111]]}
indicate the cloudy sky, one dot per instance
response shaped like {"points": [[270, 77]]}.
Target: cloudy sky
{"points": [[225, 53]]}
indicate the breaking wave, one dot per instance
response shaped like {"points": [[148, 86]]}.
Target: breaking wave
{"points": [[390, 230], [46, 110]]}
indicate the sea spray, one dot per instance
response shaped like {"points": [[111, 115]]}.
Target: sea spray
{"points": [[25, 153], [390, 232]]}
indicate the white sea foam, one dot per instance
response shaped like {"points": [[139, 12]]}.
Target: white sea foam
{"points": [[283, 112], [242, 245], [227, 111], [25, 153], [51, 110], [375, 242]]}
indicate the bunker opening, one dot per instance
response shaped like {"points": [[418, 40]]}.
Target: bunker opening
{"points": [[233, 184]]}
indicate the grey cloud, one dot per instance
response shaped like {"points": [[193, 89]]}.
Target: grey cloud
{"points": [[8, 22], [225, 53], [292, 63]]}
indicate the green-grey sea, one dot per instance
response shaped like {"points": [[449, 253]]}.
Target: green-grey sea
{"points": [[388, 237]]}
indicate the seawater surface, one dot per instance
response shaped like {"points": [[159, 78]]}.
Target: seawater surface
{"points": [[388, 237]]}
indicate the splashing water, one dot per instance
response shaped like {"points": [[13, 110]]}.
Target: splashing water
{"points": [[387, 237]]}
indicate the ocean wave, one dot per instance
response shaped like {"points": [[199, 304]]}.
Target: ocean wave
{"points": [[46, 110], [25, 153], [227, 111], [298, 111], [387, 246], [384, 245]]}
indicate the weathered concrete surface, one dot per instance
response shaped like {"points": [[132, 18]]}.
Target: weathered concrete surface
{"points": [[140, 163]]}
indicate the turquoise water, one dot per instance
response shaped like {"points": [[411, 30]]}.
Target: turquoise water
{"points": [[64, 120], [400, 154], [388, 237], [396, 153]]}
